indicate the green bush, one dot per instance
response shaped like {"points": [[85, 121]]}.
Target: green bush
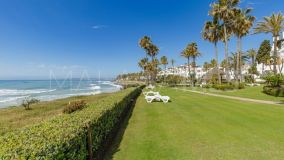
{"points": [[173, 80], [206, 86], [228, 86], [223, 87], [74, 106], [69, 136], [274, 80], [249, 78], [239, 85], [274, 91]]}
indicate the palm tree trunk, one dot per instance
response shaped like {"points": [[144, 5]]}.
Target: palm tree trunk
{"points": [[188, 69], [275, 55], [227, 55], [217, 63], [194, 72], [238, 60]]}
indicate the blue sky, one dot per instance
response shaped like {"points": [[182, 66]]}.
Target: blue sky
{"points": [[39, 37]]}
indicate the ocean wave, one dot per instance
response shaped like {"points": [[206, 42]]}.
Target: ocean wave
{"points": [[53, 97], [111, 84], [84, 94], [15, 92], [95, 87], [12, 99]]}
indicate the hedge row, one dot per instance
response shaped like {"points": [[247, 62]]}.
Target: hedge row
{"points": [[70, 136], [228, 86], [274, 91]]}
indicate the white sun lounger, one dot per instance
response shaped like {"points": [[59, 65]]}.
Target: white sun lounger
{"points": [[151, 92], [150, 99], [150, 87]]}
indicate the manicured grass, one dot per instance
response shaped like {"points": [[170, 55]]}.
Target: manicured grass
{"points": [[195, 126], [16, 117], [248, 92]]}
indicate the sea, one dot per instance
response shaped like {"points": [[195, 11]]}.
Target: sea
{"points": [[13, 92]]}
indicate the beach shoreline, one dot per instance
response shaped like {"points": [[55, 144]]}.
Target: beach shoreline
{"points": [[12, 93]]}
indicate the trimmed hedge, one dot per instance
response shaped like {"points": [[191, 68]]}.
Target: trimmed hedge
{"points": [[229, 86], [70, 136], [274, 91]]}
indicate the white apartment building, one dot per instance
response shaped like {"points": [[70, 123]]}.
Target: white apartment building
{"points": [[182, 70], [266, 68]]}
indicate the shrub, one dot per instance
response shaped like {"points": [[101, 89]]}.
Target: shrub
{"points": [[74, 106], [27, 102], [229, 86], [223, 87], [249, 78], [173, 80], [206, 86], [273, 80], [239, 85], [70, 136], [274, 91]]}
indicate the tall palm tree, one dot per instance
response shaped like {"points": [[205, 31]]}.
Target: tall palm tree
{"points": [[212, 32], [145, 43], [213, 63], [194, 53], [187, 54], [252, 54], [206, 66], [164, 61], [242, 22], [223, 10], [142, 63], [172, 62], [151, 50], [274, 25], [234, 62]]}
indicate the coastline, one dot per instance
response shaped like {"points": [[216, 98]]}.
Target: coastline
{"points": [[12, 95]]}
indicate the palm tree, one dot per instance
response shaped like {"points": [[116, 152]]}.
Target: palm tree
{"points": [[187, 54], [234, 62], [242, 22], [172, 62], [164, 61], [194, 53], [213, 63], [145, 43], [151, 50], [206, 66], [223, 10], [212, 33], [142, 63], [274, 25], [252, 54]]}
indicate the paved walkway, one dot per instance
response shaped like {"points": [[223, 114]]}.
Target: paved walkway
{"points": [[235, 98]]}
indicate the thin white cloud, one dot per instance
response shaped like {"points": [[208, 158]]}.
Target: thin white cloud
{"points": [[99, 26]]}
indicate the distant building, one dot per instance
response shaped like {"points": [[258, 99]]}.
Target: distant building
{"points": [[262, 68], [182, 70], [204, 75]]}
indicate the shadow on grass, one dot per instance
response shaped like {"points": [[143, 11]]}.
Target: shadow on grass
{"points": [[114, 148]]}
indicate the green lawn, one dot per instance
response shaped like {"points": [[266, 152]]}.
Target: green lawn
{"points": [[195, 126], [16, 117], [248, 92]]}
